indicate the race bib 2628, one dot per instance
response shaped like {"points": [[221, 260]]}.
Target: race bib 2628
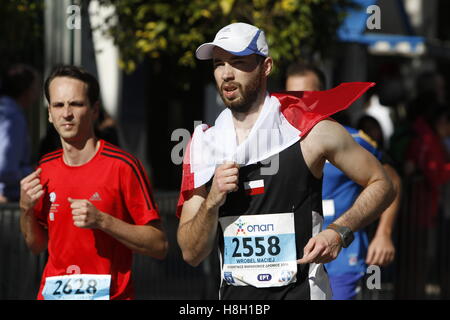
{"points": [[77, 287]]}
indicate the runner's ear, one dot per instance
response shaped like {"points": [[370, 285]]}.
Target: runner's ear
{"points": [[268, 65], [96, 110]]}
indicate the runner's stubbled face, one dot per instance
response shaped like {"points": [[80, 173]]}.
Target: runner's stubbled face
{"points": [[238, 79]]}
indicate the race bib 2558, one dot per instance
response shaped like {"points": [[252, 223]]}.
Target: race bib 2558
{"points": [[259, 250]]}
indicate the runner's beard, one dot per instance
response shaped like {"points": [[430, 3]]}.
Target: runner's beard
{"points": [[247, 98]]}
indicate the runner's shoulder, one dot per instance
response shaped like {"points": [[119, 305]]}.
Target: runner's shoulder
{"points": [[119, 156], [50, 158]]}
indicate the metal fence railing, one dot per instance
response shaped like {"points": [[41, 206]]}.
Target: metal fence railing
{"points": [[422, 262], [20, 270], [173, 278], [421, 268]]}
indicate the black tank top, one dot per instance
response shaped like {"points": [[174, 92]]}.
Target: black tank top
{"points": [[292, 189]]}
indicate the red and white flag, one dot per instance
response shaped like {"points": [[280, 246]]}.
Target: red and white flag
{"points": [[283, 120], [254, 187]]}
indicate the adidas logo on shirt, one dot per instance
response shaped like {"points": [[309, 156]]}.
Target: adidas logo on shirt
{"points": [[95, 197]]}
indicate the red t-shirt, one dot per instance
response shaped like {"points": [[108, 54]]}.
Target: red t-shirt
{"points": [[115, 183]]}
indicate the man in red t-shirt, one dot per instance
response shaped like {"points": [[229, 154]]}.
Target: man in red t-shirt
{"points": [[90, 203]]}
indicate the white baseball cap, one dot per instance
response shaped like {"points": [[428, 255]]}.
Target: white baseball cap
{"points": [[240, 39]]}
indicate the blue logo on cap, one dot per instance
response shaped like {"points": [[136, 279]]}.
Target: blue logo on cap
{"points": [[251, 48]]}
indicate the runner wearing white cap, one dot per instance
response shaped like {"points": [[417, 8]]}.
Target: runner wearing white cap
{"points": [[239, 39], [252, 182]]}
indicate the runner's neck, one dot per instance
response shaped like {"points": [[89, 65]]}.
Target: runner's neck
{"points": [[78, 154], [244, 122]]}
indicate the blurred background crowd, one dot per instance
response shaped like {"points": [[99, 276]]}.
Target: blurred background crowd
{"points": [[142, 52]]}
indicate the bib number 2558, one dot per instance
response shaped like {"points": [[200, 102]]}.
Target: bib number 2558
{"points": [[258, 246]]}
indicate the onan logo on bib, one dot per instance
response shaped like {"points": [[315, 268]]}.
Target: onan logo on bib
{"points": [[244, 228], [240, 226], [260, 227]]}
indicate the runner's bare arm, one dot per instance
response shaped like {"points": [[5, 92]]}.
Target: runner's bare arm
{"points": [[363, 168], [197, 228], [381, 250], [329, 140], [199, 218], [36, 236], [149, 239], [146, 239]]}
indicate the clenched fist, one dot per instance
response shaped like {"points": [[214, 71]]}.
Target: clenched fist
{"points": [[30, 190], [226, 179], [85, 214]]}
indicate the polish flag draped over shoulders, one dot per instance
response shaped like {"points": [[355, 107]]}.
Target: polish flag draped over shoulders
{"points": [[283, 120]]}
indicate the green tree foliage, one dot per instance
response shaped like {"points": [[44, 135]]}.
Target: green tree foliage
{"points": [[151, 28], [21, 37]]}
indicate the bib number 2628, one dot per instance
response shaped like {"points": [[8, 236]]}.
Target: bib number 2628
{"points": [[77, 287]]}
